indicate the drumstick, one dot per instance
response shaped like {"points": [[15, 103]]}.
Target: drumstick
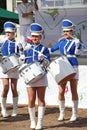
{"points": [[39, 52], [32, 56], [36, 51], [71, 36]]}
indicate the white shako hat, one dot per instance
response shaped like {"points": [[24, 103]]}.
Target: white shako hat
{"points": [[67, 25], [36, 29], [9, 27]]}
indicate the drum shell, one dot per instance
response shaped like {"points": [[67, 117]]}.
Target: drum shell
{"points": [[10, 63], [31, 72], [61, 70]]}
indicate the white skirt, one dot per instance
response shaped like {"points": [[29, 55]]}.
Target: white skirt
{"points": [[14, 74], [43, 82], [77, 72]]}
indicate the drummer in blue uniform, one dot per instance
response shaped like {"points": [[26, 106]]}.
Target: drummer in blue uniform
{"points": [[36, 52], [8, 48], [70, 46]]}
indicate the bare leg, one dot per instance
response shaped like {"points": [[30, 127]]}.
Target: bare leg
{"points": [[41, 106], [15, 96]]}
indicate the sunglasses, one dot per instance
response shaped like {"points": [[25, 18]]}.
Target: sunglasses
{"points": [[68, 31]]}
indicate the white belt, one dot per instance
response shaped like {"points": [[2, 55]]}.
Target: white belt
{"points": [[71, 56]]}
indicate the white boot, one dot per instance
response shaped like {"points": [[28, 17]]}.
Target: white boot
{"points": [[74, 110], [41, 111], [15, 106], [61, 109], [3, 107], [32, 117]]}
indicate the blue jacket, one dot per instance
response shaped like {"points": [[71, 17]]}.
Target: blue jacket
{"points": [[9, 47], [33, 53], [70, 48]]}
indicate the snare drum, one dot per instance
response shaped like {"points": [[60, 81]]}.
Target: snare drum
{"points": [[31, 72], [10, 63], [61, 70]]}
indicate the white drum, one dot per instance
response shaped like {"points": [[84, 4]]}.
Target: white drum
{"points": [[31, 72], [61, 70], [10, 63]]}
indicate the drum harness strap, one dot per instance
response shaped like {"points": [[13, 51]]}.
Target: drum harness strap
{"points": [[69, 55], [42, 49], [35, 51]]}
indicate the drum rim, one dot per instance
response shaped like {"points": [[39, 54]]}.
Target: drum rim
{"points": [[26, 64], [12, 69], [40, 75]]}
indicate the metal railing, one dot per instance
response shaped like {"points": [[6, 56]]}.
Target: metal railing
{"points": [[57, 3]]}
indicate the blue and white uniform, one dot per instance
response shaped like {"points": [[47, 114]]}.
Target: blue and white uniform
{"points": [[70, 48], [9, 48], [33, 55], [37, 53]]}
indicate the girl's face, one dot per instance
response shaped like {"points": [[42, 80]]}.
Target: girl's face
{"points": [[36, 39], [10, 35], [68, 34]]}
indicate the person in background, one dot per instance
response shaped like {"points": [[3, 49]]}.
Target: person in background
{"points": [[26, 15], [69, 46], [8, 48], [40, 53]]}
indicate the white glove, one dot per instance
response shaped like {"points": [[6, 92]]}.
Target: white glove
{"points": [[77, 50], [76, 40], [22, 59], [40, 56], [27, 47]]}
